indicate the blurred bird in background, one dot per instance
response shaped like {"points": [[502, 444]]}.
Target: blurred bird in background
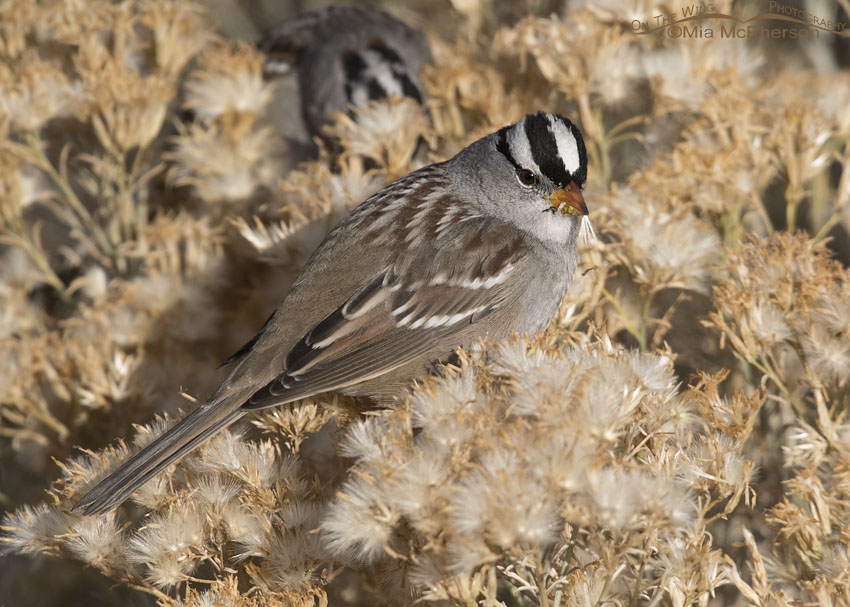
{"points": [[344, 57]]}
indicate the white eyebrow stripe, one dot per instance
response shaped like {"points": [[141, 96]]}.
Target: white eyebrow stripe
{"points": [[567, 144], [520, 147], [381, 71]]}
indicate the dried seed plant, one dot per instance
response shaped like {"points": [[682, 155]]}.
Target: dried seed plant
{"points": [[677, 436], [224, 156]]}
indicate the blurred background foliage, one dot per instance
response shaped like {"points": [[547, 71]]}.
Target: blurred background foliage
{"points": [[157, 197]]}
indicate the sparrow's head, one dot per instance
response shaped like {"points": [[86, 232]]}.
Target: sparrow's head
{"points": [[549, 160], [531, 174]]}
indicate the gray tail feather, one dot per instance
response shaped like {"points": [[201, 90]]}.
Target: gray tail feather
{"points": [[176, 442]]}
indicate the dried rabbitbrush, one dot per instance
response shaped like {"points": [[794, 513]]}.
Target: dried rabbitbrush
{"points": [[677, 436]]}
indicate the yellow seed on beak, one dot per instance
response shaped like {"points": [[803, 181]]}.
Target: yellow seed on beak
{"points": [[569, 200]]}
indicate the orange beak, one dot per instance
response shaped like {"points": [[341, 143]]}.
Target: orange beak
{"points": [[569, 200]]}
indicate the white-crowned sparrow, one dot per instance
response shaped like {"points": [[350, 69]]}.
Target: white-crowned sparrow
{"points": [[344, 56], [480, 245]]}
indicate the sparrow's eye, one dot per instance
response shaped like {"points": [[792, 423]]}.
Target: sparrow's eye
{"points": [[526, 177]]}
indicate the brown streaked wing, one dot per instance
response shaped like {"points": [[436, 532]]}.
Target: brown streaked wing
{"points": [[409, 310]]}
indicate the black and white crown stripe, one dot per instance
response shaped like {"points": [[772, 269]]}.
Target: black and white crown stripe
{"points": [[377, 73], [546, 144], [275, 66]]}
